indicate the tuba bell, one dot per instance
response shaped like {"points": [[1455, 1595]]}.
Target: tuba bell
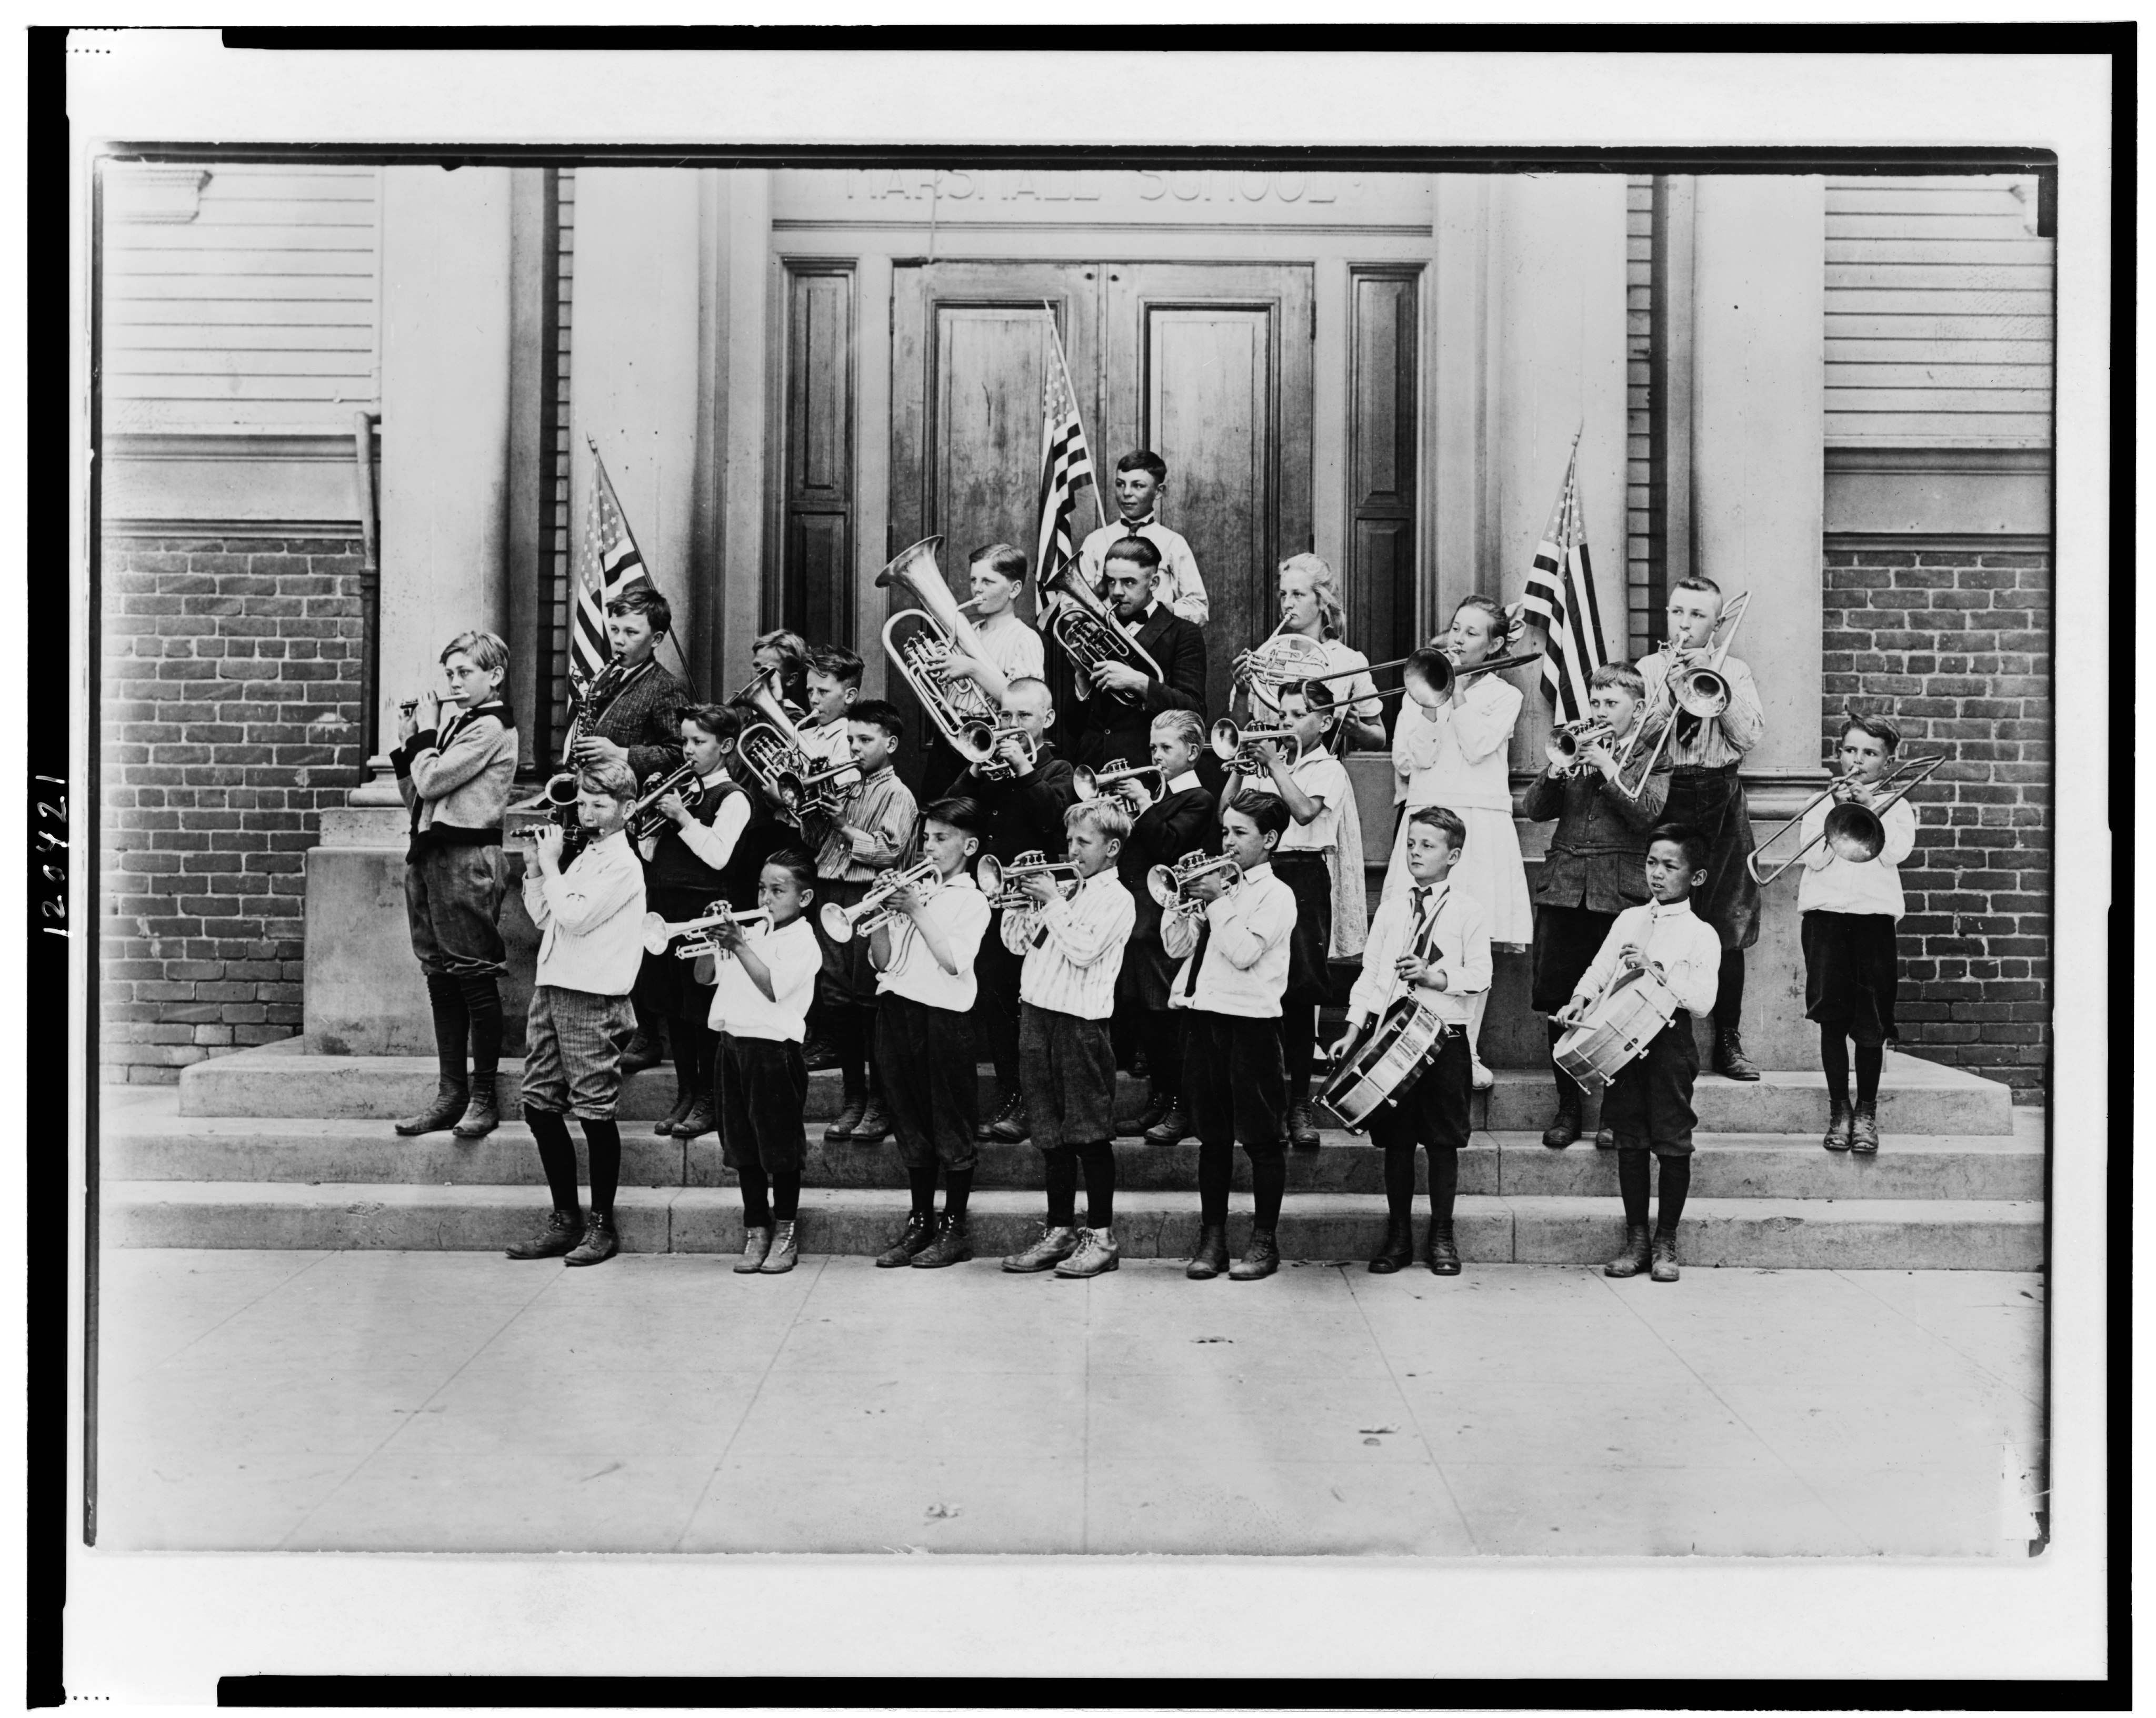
{"points": [[920, 641], [1086, 628]]}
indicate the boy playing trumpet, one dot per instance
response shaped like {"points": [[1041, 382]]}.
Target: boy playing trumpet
{"points": [[1073, 950]]}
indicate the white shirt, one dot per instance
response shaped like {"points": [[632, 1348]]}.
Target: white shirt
{"points": [[1688, 948], [1011, 647], [1461, 759], [1460, 944], [1724, 738], [794, 957], [1246, 954], [826, 743], [712, 842], [961, 911], [590, 915], [1324, 778], [1074, 948], [1829, 883], [1178, 588]]}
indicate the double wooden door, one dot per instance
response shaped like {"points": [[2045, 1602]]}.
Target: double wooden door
{"points": [[1209, 364]]}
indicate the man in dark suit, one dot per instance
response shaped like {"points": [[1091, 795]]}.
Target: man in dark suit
{"points": [[1114, 719]]}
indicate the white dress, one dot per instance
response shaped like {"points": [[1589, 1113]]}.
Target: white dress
{"points": [[1463, 759]]}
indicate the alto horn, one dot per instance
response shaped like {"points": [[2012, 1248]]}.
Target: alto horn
{"points": [[1086, 628]]}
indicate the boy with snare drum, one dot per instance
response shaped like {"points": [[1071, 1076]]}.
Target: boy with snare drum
{"points": [[1430, 942], [1648, 1106]]}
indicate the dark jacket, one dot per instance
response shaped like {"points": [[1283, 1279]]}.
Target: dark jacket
{"points": [[1025, 816], [1181, 823], [1598, 856], [645, 717], [1109, 726]]}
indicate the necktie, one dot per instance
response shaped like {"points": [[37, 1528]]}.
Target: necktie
{"points": [[1198, 954]]}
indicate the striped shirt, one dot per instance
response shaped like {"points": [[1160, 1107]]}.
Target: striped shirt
{"points": [[884, 805], [1074, 948], [1011, 647], [1459, 944], [1723, 739]]}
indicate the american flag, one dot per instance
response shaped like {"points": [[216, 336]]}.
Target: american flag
{"points": [[1560, 596], [612, 562], [1064, 465]]}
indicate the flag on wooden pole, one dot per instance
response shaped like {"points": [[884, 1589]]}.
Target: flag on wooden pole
{"points": [[612, 564], [1560, 595], [1064, 464]]}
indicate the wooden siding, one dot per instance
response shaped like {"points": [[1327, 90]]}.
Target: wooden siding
{"points": [[559, 559], [1939, 314], [262, 312], [1639, 313]]}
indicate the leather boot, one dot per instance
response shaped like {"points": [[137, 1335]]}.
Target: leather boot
{"points": [[451, 1097], [952, 1245], [1211, 1258], [1664, 1268], [755, 1243], [480, 1117], [1260, 1258], [682, 1100], [1097, 1254], [1008, 1125], [563, 1230], [1398, 1251], [920, 1231], [1864, 1129], [874, 1127], [1151, 1117], [1565, 1128], [1301, 1126], [1057, 1242], [851, 1109], [785, 1250], [1172, 1129], [1729, 1058], [639, 1054], [600, 1243], [698, 1119], [1638, 1255], [1837, 1122], [1444, 1251]]}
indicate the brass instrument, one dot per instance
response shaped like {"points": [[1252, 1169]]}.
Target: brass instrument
{"points": [[1283, 660], [1237, 747], [1170, 884], [561, 789], [982, 743], [1002, 883], [1856, 832], [957, 707], [658, 933], [1086, 628], [873, 911], [1427, 674], [773, 753], [1705, 691], [1568, 739], [646, 820], [1110, 781]]}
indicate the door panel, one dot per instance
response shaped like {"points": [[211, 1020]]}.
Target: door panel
{"points": [[1209, 366]]}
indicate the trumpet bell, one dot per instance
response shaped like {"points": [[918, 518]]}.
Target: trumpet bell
{"points": [[655, 937], [837, 926], [1855, 833], [1161, 884], [989, 874], [1226, 738]]}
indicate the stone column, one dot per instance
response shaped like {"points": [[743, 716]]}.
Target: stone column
{"points": [[634, 370], [745, 264], [445, 356], [1759, 429]]}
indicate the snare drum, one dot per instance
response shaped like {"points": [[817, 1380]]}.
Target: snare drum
{"points": [[1616, 1030], [1386, 1068]]}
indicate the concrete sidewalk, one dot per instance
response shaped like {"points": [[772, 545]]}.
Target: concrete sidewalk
{"points": [[387, 1400]]}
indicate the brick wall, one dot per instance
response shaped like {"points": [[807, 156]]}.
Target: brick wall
{"points": [[1956, 644], [231, 715]]}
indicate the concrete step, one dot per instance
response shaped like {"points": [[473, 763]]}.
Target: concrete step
{"points": [[152, 1142], [1847, 1234], [288, 1079]]}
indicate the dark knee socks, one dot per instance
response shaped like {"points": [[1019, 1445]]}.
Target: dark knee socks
{"points": [[755, 1198], [445, 997], [1163, 1042], [1834, 1062], [1099, 1157], [1444, 1182], [1569, 1091], [1633, 1171], [849, 1043], [1268, 1187], [1676, 1182], [603, 1143], [920, 1184], [1729, 991], [786, 1195], [957, 1189], [1062, 1170], [693, 1045], [1216, 1166], [557, 1157], [1871, 1061], [482, 1000], [1299, 1044]]}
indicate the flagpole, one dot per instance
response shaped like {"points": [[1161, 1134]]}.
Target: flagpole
{"points": [[651, 577], [1099, 507]]}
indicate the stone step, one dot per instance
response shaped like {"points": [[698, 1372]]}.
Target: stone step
{"points": [[152, 1142], [1996, 1234], [287, 1079]]}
